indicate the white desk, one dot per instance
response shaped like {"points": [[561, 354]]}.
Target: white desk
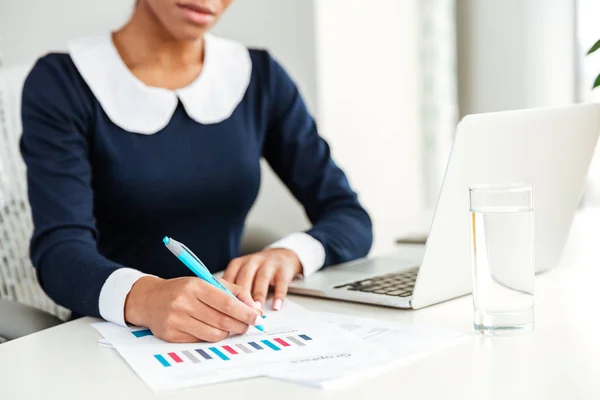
{"points": [[560, 360]]}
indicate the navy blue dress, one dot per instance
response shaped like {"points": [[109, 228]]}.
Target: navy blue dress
{"points": [[102, 197]]}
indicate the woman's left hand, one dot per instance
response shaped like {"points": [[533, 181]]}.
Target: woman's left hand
{"points": [[270, 267]]}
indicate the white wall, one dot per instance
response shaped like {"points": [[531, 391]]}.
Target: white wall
{"points": [[369, 85], [29, 29], [515, 54]]}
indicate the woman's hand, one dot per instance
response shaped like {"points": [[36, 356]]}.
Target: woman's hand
{"points": [[189, 309], [275, 267]]}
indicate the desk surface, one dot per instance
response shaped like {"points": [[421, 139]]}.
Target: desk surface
{"points": [[560, 360]]}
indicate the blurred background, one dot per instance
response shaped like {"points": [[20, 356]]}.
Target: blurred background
{"points": [[386, 80]]}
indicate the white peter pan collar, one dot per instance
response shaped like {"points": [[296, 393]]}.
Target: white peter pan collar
{"points": [[139, 108]]}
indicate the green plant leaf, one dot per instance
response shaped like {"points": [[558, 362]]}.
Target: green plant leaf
{"points": [[594, 47], [596, 82]]}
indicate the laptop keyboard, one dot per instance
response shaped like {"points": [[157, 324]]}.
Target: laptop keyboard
{"points": [[398, 284]]}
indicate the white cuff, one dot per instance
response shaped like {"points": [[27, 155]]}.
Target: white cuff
{"points": [[114, 292], [309, 250]]}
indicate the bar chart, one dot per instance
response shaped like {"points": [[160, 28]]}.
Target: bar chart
{"points": [[229, 352], [142, 333], [294, 337]]}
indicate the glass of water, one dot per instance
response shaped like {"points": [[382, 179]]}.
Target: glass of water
{"points": [[503, 257]]}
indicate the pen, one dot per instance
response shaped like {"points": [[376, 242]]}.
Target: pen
{"points": [[187, 257]]}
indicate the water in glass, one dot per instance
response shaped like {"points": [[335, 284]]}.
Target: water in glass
{"points": [[503, 269]]}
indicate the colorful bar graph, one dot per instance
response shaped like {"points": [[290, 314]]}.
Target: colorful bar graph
{"points": [[190, 356], [243, 348], [255, 345], [142, 333], [295, 341], [282, 342], [230, 349], [204, 354], [224, 352], [271, 345], [162, 360], [175, 357], [219, 353]]}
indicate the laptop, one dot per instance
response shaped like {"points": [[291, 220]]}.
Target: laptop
{"points": [[550, 148]]}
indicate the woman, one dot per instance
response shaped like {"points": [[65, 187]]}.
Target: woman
{"points": [[157, 129]]}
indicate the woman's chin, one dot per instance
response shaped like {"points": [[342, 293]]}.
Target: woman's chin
{"points": [[189, 32]]}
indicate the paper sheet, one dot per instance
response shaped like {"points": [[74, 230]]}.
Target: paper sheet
{"points": [[295, 340], [401, 344]]}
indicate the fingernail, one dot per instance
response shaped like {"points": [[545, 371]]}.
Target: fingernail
{"points": [[258, 320], [258, 305], [277, 304]]}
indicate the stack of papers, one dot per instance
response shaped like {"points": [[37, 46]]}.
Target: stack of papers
{"points": [[316, 349], [397, 345]]}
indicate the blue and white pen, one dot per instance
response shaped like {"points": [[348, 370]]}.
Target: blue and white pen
{"points": [[187, 257]]}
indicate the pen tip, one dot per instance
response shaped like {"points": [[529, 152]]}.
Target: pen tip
{"points": [[166, 240], [260, 328]]}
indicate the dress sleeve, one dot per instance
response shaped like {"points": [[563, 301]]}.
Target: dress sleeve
{"points": [[302, 160], [55, 147]]}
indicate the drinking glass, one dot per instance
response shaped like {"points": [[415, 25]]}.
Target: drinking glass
{"points": [[502, 257]]}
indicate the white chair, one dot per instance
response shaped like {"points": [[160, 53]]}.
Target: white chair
{"points": [[24, 307]]}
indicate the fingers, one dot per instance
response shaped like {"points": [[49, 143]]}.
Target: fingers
{"points": [[223, 322], [233, 269], [203, 331], [181, 328], [282, 281], [243, 295], [262, 281], [214, 318], [189, 318], [247, 272], [260, 270], [177, 337], [226, 304]]}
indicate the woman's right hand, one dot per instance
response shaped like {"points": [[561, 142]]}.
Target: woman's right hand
{"points": [[189, 309]]}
